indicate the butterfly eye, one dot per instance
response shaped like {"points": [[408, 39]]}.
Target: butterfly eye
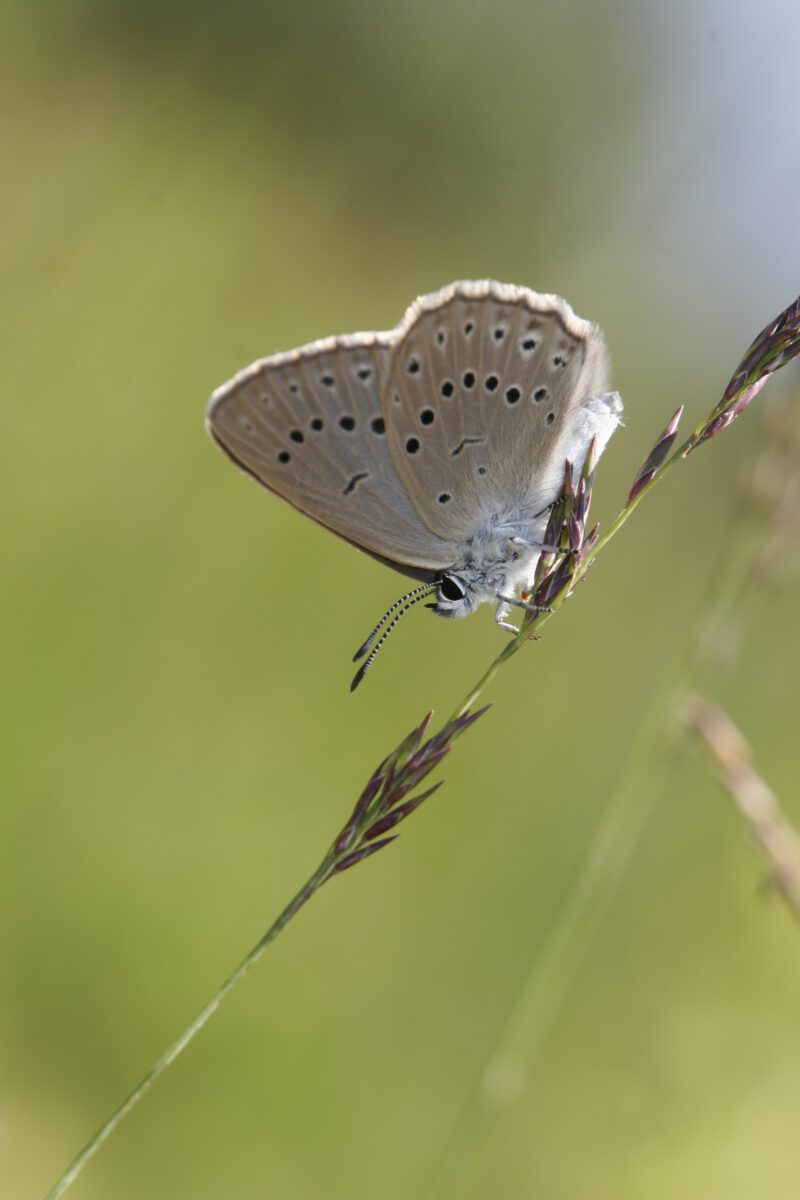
{"points": [[451, 589]]}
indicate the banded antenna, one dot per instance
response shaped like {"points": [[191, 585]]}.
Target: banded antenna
{"points": [[418, 591], [399, 608]]}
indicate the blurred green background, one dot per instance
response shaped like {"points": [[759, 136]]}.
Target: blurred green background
{"points": [[186, 188]]}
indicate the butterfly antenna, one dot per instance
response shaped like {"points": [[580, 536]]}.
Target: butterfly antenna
{"points": [[402, 606], [425, 589]]}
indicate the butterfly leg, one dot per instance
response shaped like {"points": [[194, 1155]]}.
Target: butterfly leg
{"points": [[506, 603], [501, 612]]}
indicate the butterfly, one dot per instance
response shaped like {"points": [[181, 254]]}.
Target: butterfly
{"points": [[437, 447]]}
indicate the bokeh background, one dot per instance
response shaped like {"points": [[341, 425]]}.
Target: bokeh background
{"points": [[187, 187]]}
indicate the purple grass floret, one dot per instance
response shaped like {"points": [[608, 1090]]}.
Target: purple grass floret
{"points": [[345, 838], [409, 746], [566, 528], [656, 456], [729, 415], [398, 814], [577, 518], [358, 855], [383, 803], [411, 779], [776, 345], [589, 543], [455, 728], [556, 522], [590, 463]]}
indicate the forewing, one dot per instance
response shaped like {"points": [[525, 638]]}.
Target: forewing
{"points": [[480, 401], [309, 426]]}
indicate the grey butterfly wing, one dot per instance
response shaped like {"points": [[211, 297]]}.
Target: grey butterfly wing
{"points": [[308, 425], [490, 388]]}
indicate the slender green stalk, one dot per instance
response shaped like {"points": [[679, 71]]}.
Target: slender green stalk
{"points": [[80, 1160], [382, 805]]}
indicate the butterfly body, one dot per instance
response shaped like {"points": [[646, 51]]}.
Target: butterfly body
{"points": [[437, 447]]}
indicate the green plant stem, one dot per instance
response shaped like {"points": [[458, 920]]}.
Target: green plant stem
{"points": [[312, 885]]}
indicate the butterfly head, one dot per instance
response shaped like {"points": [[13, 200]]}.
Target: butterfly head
{"points": [[491, 565], [454, 596]]}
